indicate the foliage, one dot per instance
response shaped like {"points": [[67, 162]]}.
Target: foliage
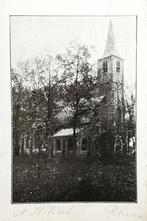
{"points": [[59, 92], [53, 92], [73, 180]]}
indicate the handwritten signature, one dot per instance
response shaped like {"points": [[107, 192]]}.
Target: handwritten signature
{"points": [[111, 211], [120, 211], [41, 210]]}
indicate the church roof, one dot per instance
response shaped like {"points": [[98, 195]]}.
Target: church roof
{"points": [[65, 132], [98, 100], [110, 47]]}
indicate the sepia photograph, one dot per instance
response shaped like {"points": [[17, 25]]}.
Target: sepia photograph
{"points": [[73, 107]]}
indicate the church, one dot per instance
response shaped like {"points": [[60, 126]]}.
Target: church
{"points": [[109, 95]]}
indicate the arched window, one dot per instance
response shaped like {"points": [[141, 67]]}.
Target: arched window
{"points": [[84, 147], [58, 145], [105, 66], [63, 147]]}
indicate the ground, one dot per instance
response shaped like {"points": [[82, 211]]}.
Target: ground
{"points": [[73, 179]]}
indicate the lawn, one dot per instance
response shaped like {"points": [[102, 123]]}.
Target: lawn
{"points": [[73, 179]]}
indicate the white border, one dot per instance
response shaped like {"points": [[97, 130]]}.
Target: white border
{"points": [[72, 211]]}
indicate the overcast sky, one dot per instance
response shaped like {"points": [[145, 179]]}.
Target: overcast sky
{"points": [[39, 36]]}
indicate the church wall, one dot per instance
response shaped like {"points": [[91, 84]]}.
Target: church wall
{"points": [[105, 76], [110, 85], [79, 152]]}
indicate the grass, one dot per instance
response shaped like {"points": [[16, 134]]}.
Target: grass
{"points": [[73, 179]]}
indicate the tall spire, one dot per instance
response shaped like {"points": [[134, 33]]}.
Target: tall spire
{"points": [[110, 48]]}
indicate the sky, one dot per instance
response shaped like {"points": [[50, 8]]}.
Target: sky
{"points": [[41, 35]]}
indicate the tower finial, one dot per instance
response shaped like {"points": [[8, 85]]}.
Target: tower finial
{"points": [[110, 48]]}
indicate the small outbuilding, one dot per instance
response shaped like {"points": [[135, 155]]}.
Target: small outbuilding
{"points": [[63, 143]]}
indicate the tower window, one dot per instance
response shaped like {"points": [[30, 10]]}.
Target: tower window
{"points": [[118, 66], [105, 66]]}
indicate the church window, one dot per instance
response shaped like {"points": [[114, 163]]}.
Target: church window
{"points": [[70, 145], [105, 66], [84, 145], [58, 144], [118, 66]]}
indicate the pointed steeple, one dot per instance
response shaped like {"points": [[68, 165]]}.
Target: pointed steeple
{"points": [[110, 48]]}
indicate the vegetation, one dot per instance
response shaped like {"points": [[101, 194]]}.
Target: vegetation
{"points": [[51, 93], [73, 180]]}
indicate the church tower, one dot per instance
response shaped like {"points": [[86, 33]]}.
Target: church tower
{"points": [[110, 83]]}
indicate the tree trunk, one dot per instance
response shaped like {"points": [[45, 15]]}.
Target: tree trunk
{"points": [[74, 135], [76, 107], [16, 137], [50, 131]]}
